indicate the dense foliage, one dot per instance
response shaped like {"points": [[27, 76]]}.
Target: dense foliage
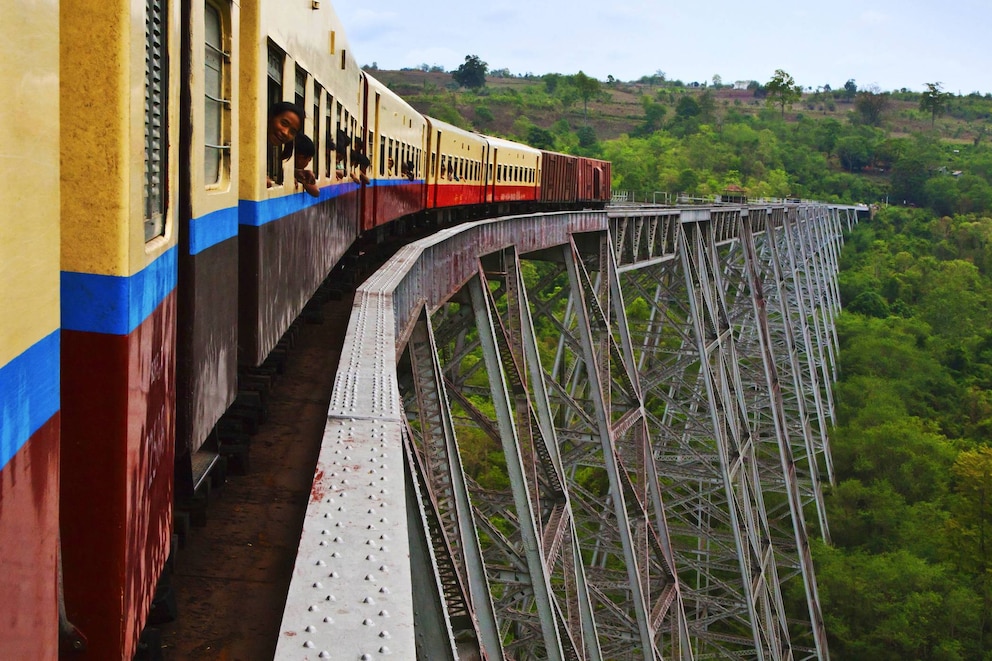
{"points": [[908, 575], [908, 572]]}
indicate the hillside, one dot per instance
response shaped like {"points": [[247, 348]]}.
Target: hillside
{"points": [[619, 110]]}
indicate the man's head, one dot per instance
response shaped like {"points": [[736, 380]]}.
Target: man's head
{"points": [[304, 151]]}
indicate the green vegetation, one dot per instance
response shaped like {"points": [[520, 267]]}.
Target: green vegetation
{"points": [[909, 572], [908, 575]]}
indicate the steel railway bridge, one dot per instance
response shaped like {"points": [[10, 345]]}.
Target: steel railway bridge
{"points": [[582, 436]]}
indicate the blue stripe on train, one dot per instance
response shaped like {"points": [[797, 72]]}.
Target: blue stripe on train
{"points": [[258, 213], [262, 212], [211, 229], [116, 305], [29, 394]]}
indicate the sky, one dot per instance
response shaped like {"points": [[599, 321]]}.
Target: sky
{"points": [[891, 44]]}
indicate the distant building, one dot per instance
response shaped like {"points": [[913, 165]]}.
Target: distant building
{"points": [[742, 84]]}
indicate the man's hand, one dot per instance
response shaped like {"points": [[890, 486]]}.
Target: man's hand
{"points": [[305, 177]]}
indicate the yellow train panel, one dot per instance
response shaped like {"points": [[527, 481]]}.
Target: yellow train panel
{"points": [[103, 124], [29, 162], [449, 141], [313, 40], [399, 132]]}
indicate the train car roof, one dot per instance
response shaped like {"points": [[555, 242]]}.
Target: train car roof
{"points": [[394, 98], [451, 128], [509, 144]]}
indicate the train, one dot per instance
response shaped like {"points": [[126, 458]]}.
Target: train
{"points": [[154, 250]]}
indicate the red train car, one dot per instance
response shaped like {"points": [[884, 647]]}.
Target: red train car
{"points": [[515, 172], [457, 168]]}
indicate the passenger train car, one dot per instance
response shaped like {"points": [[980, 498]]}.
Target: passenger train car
{"points": [[152, 256]]}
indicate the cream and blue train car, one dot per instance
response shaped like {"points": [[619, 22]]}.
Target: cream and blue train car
{"points": [[119, 181], [29, 329], [397, 135], [289, 241]]}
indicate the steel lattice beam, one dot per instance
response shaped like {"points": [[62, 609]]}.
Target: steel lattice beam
{"points": [[605, 429]]}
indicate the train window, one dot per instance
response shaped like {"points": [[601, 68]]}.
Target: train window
{"points": [[217, 102], [276, 60], [343, 61], [156, 128], [382, 155], [317, 93], [301, 90], [329, 136]]}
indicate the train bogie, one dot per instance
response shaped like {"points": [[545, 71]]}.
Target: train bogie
{"points": [[119, 168], [29, 330]]}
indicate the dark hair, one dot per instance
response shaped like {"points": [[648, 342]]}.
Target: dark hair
{"points": [[304, 146], [279, 108]]}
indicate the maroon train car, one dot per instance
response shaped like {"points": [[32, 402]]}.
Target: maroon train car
{"points": [[574, 181]]}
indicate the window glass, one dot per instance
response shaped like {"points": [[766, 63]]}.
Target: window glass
{"points": [[216, 152]]}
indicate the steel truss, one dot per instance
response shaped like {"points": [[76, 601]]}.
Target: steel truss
{"points": [[610, 430]]}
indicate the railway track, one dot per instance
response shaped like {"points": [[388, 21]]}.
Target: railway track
{"points": [[231, 573]]}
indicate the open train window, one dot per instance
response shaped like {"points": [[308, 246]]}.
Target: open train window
{"points": [[155, 195], [277, 59], [317, 93], [330, 136], [301, 89], [382, 155], [217, 94]]}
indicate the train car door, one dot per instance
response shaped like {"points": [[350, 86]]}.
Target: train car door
{"points": [[207, 312]]}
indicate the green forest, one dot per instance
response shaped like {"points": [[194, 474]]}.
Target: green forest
{"points": [[908, 573]]}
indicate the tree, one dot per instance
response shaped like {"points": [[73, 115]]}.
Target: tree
{"points": [[871, 104], [934, 100], [782, 90], [588, 87], [540, 138], [472, 73], [850, 89]]}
